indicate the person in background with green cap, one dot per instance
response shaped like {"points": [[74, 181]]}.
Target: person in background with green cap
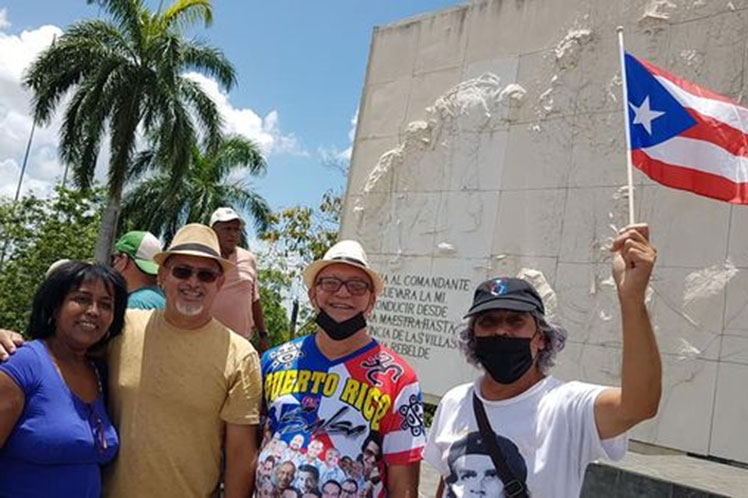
{"points": [[133, 259]]}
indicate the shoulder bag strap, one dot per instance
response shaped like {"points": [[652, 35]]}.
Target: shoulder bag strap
{"points": [[513, 487]]}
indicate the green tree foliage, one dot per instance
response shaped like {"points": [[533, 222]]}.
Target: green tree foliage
{"points": [[127, 75], [273, 284], [207, 184], [300, 235], [38, 232]]}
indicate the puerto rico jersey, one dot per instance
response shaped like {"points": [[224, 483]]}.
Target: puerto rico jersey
{"points": [[332, 428]]}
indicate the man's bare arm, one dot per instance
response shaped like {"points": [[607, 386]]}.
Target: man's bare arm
{"points": [[259, 324], [257, 316], [12, 400], [619, 409], [402, 480], [241, 460]]}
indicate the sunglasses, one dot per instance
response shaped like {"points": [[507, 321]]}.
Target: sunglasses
{"points": [[203, 274], [354, 287]]}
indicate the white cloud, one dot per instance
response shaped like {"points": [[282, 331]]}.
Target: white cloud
{"points": [[10, 170], [44, 168], [333, 156], [340, 158], [4, 23], [352, 131], [264, 131], [16, 53]]}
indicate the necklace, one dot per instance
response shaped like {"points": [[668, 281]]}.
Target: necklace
{"points": [[91, 364], [94, 420]]}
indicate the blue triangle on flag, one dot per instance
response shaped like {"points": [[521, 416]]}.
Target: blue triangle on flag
{"points": [[672, 118]]}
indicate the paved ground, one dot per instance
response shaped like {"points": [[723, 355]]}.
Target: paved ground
{"points": [[689, 471]]}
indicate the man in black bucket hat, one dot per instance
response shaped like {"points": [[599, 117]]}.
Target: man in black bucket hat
{"points": [[558, 427]]}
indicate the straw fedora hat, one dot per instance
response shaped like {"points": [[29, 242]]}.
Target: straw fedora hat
{"points": [[195, 240], [348, 252]]}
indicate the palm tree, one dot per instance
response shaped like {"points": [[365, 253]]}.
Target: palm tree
{"points": [[126, 77], [210, 181]]}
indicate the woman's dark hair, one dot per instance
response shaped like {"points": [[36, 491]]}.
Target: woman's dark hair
{"points": [[68, 277]]}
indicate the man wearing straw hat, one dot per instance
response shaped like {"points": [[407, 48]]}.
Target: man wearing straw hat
{"points": [[182, 386], [340, 390]]}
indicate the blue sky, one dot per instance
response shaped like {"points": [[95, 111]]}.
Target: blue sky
{"points": [[301, 67]]}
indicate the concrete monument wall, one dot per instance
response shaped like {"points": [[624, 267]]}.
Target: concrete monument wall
{"points": [[490, 142]]}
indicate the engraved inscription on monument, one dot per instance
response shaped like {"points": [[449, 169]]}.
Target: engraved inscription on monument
{"points": [[412, 315]]}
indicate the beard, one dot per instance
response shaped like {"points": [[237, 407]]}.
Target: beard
{"points": [[189, 309]]}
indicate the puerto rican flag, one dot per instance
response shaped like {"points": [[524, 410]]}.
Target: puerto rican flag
{"points": [[685, 136]]}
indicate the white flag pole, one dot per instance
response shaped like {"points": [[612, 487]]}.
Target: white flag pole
{"points": [[629, 165]]}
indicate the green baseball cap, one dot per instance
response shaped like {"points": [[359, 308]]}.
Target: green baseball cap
{"points": [[141, 247]]}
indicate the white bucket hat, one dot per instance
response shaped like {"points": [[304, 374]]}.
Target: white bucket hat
{"points": [[347, 252]]}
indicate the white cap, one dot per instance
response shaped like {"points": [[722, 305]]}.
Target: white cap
{"points": [[223, 214]]}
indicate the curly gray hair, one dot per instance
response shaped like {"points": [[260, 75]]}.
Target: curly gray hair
{"points": [[555, 339]]}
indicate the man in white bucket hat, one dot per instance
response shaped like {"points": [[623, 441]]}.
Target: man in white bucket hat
{"points": [[340, 390]]}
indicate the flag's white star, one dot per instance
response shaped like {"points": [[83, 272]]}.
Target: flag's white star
{"points": [[644, 116]]}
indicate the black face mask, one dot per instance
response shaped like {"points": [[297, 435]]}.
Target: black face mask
{"points": [[506, 359], [339, 331]]}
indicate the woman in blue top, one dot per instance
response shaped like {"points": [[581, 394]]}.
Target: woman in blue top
{"points": [[54, 430]]}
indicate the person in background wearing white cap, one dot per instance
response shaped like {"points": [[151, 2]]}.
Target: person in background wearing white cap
{"points": [[238, 302], [339, 388], [181, 385], [517, 431], [133, 259]]}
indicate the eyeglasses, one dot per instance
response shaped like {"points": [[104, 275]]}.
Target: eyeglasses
{"points": [[185, 272], [355, 287]]}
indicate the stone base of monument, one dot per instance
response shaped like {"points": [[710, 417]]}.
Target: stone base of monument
{"points": [[647, 471], [651, 471]]}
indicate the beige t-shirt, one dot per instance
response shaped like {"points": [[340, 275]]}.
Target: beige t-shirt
{"points": [[233, 304], [170, 393]]}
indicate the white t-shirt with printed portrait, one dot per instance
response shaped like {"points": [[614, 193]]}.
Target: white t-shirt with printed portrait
{"points": [[547, 434]]}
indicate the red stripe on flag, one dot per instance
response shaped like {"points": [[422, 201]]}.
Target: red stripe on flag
{"points": [[698, 182], [686, 85], [712, 130]]}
